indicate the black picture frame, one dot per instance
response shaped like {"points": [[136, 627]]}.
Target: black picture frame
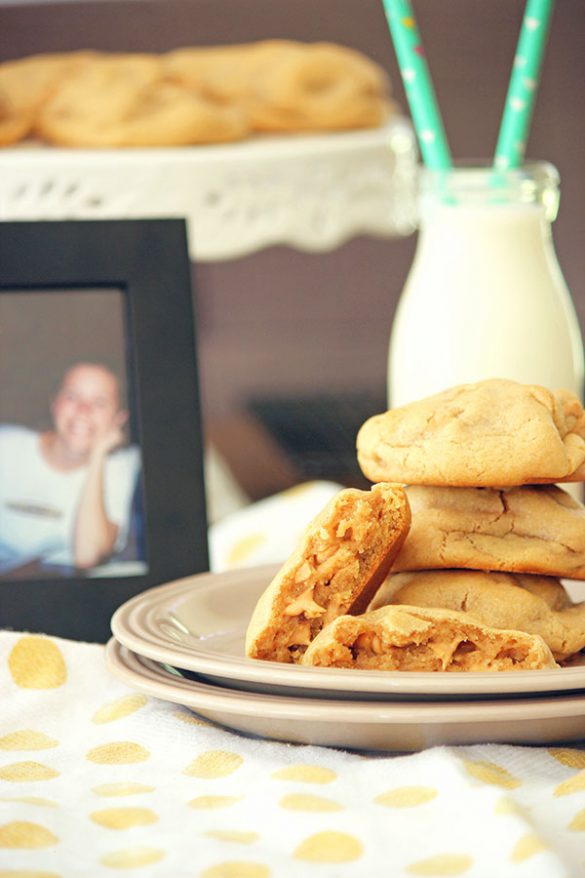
{"points": [[148, 261]]}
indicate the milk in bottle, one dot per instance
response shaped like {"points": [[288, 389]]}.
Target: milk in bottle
{"points": [[485, 296]]}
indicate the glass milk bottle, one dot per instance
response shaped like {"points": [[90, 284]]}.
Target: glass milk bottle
{"points": [[485, 297]]}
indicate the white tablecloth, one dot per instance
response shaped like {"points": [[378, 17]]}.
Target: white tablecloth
{"points": [[98, 780]]}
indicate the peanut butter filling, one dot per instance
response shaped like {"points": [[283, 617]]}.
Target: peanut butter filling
{"points": [[407, 643]]}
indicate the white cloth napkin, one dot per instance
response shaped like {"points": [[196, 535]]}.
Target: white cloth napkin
{"points": [[267, 531], [99, 780]]}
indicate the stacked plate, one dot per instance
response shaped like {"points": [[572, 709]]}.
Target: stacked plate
{"points": [[184, 642]]}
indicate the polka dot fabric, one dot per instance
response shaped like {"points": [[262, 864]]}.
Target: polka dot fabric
{"points": [[98, 780], [266, 532]]}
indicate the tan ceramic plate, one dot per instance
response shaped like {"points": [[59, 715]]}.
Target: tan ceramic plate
{"points": [[358, 725], [199, 624]]}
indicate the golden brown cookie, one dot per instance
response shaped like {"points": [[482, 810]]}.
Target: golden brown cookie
{"points": [[189, 96], [339, 564], [31, 80], [26, 83], [87, 106], [122, 101], [413, 639], [324, 87], [225, 73], [534, 604], [15, 123], [284, 85], [496, 433], [169, 115], [538, 529]]}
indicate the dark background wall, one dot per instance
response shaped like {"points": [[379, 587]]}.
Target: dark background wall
{"points": [[285, 321]]}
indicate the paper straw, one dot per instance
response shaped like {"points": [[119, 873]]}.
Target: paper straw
{"points": [[417, 84], [519, 105]]}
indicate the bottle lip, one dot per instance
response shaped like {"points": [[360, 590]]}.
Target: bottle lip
{"points": [[477, 182], [471, 170]]}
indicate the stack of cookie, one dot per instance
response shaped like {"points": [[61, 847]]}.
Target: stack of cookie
{"points": [[192, 95], [478, 541], [491, 535]]}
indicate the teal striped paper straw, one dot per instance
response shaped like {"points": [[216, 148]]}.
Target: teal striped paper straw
{"points": [[517, 114], [417, 84]]}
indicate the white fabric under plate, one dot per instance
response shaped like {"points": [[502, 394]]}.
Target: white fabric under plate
{"points": [[96, 779]]}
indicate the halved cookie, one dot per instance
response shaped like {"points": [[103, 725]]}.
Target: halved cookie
{"points": [[413, 639], [534, 604], [496, 433], [538, 529], [343, 557]]}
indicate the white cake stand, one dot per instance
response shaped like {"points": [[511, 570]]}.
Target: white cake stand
{"points": [[313, 191]]}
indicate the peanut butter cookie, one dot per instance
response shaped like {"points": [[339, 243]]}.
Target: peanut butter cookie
{"points": [[496, 433], [324, 87], [85, 109], [538, 529], [339, 564], [285, 86], [123, 101], [413, 639], [534, 604], [226, 73], [15, 123], [26, 83]]}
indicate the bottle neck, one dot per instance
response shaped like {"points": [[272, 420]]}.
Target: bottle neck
{"points": [[461, 188], [489, 212], [483, 224]]}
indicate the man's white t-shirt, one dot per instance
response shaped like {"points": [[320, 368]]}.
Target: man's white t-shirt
{"points": [[38, 504]]}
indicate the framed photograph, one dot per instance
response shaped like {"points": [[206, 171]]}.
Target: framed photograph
{"points": [[101, 451]]}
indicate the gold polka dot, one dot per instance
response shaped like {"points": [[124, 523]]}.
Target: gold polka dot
{"points": [[526, 847], [120, 708], [505, 805], [26, 873], [574, 784], [305, 774], [577, 824], [214, 802], [490, 773], [233, 835], [242, 550], [306, 802], [25, 771], [31, 800], [442, 864], [132, 858], [570, 758], [118, 753], [329, 847], [22, 834], [406, 797], [237, 869], [298, 490], [122, 789], [26, 739], [37, 663], [124, 818], [190, 719], [214, 763]]}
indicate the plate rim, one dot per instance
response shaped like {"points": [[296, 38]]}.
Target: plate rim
{"points": [[334, 710], [147, 643]]}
